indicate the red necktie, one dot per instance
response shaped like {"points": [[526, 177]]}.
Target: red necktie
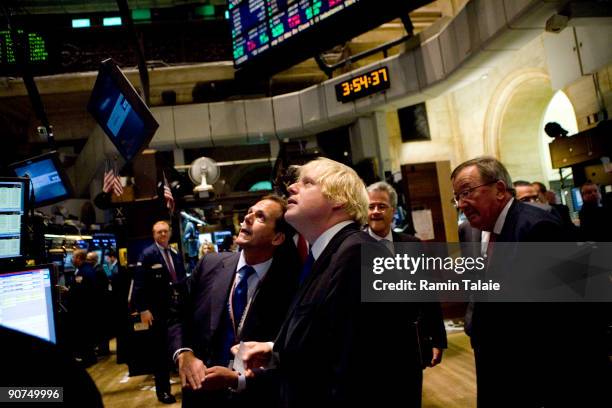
{"points": [[302, 248]]}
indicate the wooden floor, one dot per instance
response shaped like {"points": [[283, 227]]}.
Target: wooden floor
{"points": [[449, 385]]}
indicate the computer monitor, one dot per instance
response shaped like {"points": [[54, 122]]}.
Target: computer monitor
{"points": [[576, 199], [27, 301], [13, 206], [120, 111], [219, 237], [68, 265], [205, 236], [49, 180]]}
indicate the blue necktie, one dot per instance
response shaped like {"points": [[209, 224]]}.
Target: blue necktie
{"points": [[241, 292], [307, 267]]}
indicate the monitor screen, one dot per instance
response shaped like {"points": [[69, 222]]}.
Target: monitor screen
{"points": [[576, 199], [49, 181], [270, 36], [120, 111], [205, 236], [68, 265], [27, 302], [219, 237], [13, 199]]}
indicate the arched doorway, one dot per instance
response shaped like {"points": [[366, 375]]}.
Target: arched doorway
{"points": [[514, 130], [560, 110]]}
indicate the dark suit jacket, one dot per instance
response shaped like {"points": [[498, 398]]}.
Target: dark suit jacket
{"points": [[402, 237], [330, 341], [153, 287], [197, 321], [523, 344], [198, 324], [430, 313]]}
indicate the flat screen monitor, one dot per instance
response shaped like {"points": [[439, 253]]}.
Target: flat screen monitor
{"points": [[219, 237], [205, 236], [68, 265], [576, 199], [50, 183], [120, 111], [13, 205], [27, 301]]}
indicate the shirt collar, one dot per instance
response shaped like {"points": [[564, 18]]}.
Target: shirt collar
{"points": [[499, 223], [320, 243], [260, 269], [161, 248], [389, 236], [501, 219]]}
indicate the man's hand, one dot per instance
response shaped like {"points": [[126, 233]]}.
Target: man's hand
{"points": [[436, 356], [191, 370], [146, 317], [220, 378], [255, 355]]}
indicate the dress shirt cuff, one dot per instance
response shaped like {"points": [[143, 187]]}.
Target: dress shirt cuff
{"points": [[241, 383], [179, 351]]}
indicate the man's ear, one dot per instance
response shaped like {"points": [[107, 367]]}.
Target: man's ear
{"points": [[501, 187], [279, 238], [337, 206]]}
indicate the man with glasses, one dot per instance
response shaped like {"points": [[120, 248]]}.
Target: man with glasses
{"points": [[525, 192], [522, 358]]}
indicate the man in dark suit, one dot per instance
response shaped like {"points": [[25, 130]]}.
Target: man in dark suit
{"points": [[383, 203], [331, 349], [158, 277], [595, 219], [522, 357], [82, 308], [225, 306]]}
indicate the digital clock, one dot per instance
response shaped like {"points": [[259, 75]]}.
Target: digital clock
{"points": [[363, 85]]}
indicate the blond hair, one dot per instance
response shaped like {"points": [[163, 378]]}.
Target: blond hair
{"points": [[340, 184]]}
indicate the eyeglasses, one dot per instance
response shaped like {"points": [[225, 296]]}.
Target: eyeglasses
{"points": [[467, 193], [381, 207], [529, 199]]}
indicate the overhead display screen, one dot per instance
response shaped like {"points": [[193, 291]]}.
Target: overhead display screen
{"points": [[271, 35]]}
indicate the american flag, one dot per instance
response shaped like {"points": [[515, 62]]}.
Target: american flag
{"points": [[168, 198], [112, 181]]}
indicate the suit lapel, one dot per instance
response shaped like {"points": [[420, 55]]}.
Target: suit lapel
{"points": [[320, 264], [221, 284]]}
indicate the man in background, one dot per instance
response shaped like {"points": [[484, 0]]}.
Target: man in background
{"points": [[82, 308], [157, 281], [428, 316], [595, 219], [102, 310], [525, 192]]}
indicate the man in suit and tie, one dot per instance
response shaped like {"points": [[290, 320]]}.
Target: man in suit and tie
{"points": [[383, 203], [234, 296], [332, 350], [523, 357], [159, 274], [82, 306]]}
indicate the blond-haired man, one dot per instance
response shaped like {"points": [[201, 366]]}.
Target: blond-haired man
{"points": [[330, 351]]}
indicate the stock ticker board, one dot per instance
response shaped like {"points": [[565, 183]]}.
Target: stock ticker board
{"points": [[36, 49], [271, 35]]}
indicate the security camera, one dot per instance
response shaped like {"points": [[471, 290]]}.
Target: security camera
{"points": [[556, 23]]}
